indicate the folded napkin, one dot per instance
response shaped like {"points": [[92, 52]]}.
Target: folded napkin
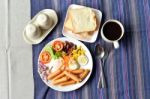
{"points": [[16, 76]]}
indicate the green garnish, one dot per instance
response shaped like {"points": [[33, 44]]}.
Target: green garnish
{"points": [[58, 54], [51, 51]]}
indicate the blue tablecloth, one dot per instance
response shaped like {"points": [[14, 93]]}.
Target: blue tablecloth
{"points": [[128, 69]]}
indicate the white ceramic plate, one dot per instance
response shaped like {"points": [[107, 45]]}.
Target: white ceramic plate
{"points": [[88, 66], [68, 33], [52, 15]]}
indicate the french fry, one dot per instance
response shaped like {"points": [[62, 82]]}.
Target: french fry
{"points": [[62, 67], [72, 76], [59, 76], [52, 75], [69, 82], [78, 71], [84, 74], [63, 79]]}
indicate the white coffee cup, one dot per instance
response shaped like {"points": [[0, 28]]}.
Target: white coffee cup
{"points": [[43, 21], [115, 42]]}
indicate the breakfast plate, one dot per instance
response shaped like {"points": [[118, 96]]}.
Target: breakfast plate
{"points": [[65, 64], [90, 36]]}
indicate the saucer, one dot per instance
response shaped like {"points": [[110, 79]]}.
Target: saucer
{"points": [[44, 32]]}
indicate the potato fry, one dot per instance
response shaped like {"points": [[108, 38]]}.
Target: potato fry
{"points": [[72, 76], [62, 68], [84, 74], [78, 71], [69, 82], [63, 79], [52, 75], [59, 76]]}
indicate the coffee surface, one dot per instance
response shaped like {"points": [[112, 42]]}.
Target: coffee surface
{"points": [[112, 31]]}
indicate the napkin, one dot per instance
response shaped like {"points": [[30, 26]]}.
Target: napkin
{"points": [[16, 80]]}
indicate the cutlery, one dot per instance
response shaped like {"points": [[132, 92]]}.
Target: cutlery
{"points": [[101, 54]]}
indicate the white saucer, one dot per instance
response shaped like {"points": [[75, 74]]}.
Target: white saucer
{"points": [[53, 16]]}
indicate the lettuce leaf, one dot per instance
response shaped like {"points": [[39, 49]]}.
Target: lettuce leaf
{"points": [[54, 55]]}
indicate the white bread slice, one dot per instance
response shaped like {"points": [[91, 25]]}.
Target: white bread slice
{"points": [[85, 35], [68, 23], [83, 20]]}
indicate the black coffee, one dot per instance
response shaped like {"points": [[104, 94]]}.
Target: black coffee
{"points": [[112, 31]]}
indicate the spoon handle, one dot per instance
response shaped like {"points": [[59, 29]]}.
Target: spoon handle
{"points": [[101, 81]]}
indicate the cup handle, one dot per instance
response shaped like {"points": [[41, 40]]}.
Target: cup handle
{"points": [[116, 44]]}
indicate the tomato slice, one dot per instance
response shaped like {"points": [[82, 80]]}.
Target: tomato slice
{"points": [[58, 45], [45, 57]]}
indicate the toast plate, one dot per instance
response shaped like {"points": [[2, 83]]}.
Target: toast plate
{"points": [[88, 66], [70, 34], [52, 15]]}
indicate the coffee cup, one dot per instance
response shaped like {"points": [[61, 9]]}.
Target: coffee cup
{"points": [[112, 31], [32, 31], [43, 21]]}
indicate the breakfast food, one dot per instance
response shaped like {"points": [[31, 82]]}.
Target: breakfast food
{"points": [[52, 75], [73, 65], [59, 76], [84, 74], [59, 63], [69, 82], [77, 71], [72, 76], [84, 35], [68, 24], [82, 60], [63, 79], [82, 22], [45, 57], [58, 45]]}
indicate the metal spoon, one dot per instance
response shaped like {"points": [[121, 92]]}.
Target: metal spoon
{"points": [[100, 53]]}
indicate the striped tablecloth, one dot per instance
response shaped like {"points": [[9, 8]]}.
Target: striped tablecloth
{"points": [[127, 70]]}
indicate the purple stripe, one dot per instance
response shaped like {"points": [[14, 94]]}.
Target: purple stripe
{"points": [[146, 11], [137, 51], [124, 57], [125, 75], [137, 60], [147, 16]]}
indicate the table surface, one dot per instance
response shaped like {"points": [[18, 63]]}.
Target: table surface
{"points": [[128, 68]]}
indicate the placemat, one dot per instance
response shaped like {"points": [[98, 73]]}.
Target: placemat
{"points": [[128, 68]]}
